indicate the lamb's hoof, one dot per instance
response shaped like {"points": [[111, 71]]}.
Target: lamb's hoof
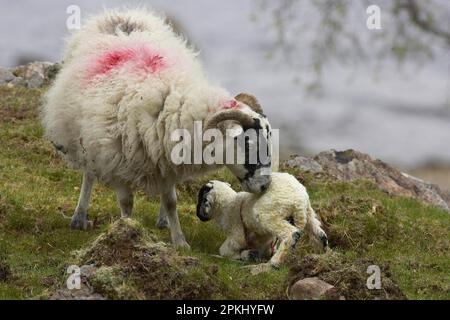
{"points": [[259, 268], [251, 256], [162, 223]]}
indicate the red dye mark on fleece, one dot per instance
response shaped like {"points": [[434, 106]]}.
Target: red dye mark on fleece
{"points": [[137, 59], [230, 104]]}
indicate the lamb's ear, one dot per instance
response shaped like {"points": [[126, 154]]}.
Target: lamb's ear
{"points": [[231, 128]]}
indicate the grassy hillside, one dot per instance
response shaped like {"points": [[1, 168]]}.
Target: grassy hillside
{"points": [[38, 192]]}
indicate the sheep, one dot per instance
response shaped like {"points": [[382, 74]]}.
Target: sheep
{"points": [[127, 83], [260, 226]]}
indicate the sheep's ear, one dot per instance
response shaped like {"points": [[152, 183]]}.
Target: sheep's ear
{"points": [[231, 128], [251, 101]]}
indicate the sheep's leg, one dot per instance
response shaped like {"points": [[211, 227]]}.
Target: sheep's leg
{"points": [[125, 200], [79, 218], [162, 222], [169, 204]]}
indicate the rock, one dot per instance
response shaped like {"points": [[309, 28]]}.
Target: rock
{"points": [[5, 76], [304, 163], [36, 80], [87, 270], [17, 81], [430, 193], [352, 165], [311, 276], [32, 75], [85, 293], [311, 289]]}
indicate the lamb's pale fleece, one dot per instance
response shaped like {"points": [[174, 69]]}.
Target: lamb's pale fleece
{"points": [[261, 226]]}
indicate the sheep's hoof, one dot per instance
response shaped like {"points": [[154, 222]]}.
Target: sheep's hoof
{"points": [[181, 244], [78, 223], [162, 223]]}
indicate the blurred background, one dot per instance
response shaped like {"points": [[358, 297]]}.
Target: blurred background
{"points": [[324, 79]]}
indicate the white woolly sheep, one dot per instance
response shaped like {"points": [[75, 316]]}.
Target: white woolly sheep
{"points": [[127, 82], [261, 226]]}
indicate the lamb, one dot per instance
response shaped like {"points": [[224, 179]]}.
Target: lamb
{"points": [[261, 226], [126, 84]]}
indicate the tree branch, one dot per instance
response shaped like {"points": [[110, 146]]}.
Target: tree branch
{"points": [[413, 10]]}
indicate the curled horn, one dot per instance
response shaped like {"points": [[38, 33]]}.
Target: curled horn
{"points": [[251, 101], [244, 119]]}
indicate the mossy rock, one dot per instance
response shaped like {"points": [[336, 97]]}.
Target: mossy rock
{"points": [[349, 276]]}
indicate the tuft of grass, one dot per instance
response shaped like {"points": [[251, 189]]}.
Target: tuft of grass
{"points": [[38, 193]]}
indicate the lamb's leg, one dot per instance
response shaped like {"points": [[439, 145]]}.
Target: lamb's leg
{"points": [[231, 248], [169, 204], [79, 218], [251, 255], [125, 200], [162, 222], [287, 237]]}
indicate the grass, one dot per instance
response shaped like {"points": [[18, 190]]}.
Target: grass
{"points": [[38, 192]]}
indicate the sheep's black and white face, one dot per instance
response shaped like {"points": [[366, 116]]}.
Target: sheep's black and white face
{"points": [[255, 142], [242, 119]]}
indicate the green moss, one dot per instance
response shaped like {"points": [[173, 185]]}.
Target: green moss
{"points": [[112, 283]]}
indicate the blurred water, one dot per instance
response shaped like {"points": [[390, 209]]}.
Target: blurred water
{"points": [[398, 117]]}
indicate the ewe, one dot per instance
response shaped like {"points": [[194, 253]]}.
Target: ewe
{"points": [[261, 226], [127, 82]]}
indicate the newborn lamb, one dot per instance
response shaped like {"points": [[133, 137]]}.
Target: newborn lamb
{"points": [[261, 226]]}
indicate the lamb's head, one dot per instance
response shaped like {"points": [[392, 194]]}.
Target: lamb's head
{"points": [[212, 198], [244, 121]]}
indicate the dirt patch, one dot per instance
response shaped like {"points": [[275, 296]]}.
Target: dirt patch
{"points": [[348, 276], [5, 207], [356, 222], [18, 103], [128, 263], [5, 270]]}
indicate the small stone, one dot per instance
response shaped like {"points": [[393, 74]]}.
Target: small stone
{"points": [[17, 82], [5, 76], [312, 289], [36, 80], [35, 73], [87, 270]]}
